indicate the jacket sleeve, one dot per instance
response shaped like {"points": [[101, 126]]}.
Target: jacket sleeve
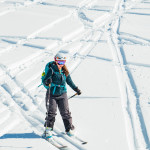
{"points": [[70, 82]]}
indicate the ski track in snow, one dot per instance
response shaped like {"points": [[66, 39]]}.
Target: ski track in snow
{"points": [[21, 89], [131, 107], [130, 96], [132, 39]]}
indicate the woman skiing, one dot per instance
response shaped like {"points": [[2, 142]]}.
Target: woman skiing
{"points": [[55, 78]]}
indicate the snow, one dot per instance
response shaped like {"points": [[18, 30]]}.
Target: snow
{"points": [[107, 45], [134, 26]]}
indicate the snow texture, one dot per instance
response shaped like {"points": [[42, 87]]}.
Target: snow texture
{"points": [[107, 44]]}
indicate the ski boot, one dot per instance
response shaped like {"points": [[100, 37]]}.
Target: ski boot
{"points": [[48, 133], [71, 133]]}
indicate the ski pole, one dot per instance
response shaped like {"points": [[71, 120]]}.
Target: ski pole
{"points": [[73, 96], [47, 104]]}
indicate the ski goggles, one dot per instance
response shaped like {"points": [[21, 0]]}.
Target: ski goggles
{"points": [[61, 62]]}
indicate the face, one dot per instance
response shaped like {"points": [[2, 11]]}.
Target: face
{"points": [[60, 63]]}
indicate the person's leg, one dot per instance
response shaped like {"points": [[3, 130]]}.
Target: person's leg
{"points": [[51, 111], [63, 106]]}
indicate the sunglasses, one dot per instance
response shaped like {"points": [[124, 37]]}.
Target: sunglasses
{"points": [[61, 62]]}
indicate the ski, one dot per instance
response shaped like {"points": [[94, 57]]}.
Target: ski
{"points": [[56, 143], [74, 141], [74, 137], [80, 140]]}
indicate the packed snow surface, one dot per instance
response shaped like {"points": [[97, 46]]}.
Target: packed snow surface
{"points": [[107, 44]]}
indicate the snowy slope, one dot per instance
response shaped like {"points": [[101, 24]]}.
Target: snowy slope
{"points": [[107, 44]]}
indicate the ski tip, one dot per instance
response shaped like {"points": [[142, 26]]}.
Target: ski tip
{"points": [[63, 147], [84, 143]]}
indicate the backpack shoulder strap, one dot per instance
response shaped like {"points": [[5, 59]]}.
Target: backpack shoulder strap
{"points": [[49, 66]]}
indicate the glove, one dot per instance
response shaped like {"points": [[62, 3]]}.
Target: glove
{"points": [[77, 90], [47, 82]]}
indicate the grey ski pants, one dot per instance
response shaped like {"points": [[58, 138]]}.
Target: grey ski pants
{"points": [[51, 104]]}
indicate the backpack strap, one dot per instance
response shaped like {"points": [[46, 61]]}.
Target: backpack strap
{"points": [[47, 67], [56, 85], [51, 67]]}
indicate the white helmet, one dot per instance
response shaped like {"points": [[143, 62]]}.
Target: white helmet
{"points": [[60, 56]]}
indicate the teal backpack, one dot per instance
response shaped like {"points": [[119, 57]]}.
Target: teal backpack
{"points": [[45, 73]]}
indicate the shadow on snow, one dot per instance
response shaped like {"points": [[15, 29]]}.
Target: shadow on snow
{"points": [[20, 135]]}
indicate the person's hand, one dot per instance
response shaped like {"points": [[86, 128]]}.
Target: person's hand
{"points": [[48, 82], [78, 91]]}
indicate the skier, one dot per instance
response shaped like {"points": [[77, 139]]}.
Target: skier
{"points": [[56, 77]]}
